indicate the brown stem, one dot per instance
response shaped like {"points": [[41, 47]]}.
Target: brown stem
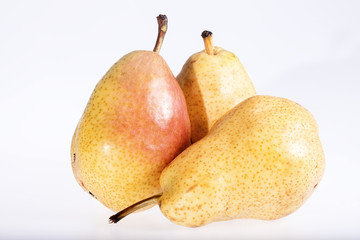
{"points": [[208, 41], [163, 22], [143, 203]]}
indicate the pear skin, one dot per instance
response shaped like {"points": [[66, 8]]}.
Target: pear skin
{"points": [[213, 81], [261, 160], [134, 124]]}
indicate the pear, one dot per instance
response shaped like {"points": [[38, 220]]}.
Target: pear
{"points": [[261, 160], [213, 81], [134, 124]]}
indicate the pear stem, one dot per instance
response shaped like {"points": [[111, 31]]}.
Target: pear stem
{"points": [[208, 41], [163, 24], [136, 206]]}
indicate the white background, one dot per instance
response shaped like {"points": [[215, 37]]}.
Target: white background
{"points": [[52, 53]]}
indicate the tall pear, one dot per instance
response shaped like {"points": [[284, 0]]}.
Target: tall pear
{"points": [[261, 160], [134, 124], [213, 81]]}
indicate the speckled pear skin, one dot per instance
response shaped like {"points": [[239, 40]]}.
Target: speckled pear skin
{"points": [[134, 124], [261, 160], [212, 85]]}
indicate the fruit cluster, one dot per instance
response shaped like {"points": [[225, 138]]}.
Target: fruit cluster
{"points": [[203, 146]]}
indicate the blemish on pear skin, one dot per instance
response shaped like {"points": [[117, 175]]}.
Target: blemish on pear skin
{"points": [[92, 194], [173, 219], [74, 158], [191, 188], [82, 184]]}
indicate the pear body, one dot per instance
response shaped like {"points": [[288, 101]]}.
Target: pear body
{"points": [[261, 160], [134, 124], [212, 85]]}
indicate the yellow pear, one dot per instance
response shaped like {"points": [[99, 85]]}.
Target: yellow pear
{"points": [[213, 81], [134, 124], [261, 160]]}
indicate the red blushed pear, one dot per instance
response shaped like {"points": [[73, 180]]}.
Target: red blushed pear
{"points": [[135, 123]]}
